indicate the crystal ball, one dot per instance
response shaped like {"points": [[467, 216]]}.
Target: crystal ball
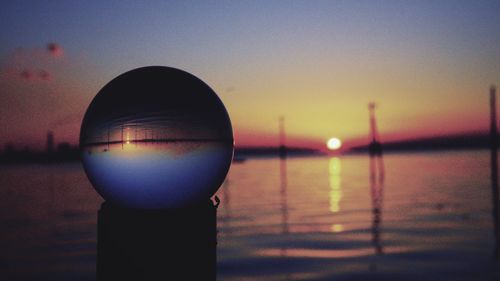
{"points": [[156, 137]]}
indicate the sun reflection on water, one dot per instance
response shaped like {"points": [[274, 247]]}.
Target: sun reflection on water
{"points": [[334, 169]]}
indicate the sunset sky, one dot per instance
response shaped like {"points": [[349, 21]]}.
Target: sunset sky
{"points": [[427, 64]]}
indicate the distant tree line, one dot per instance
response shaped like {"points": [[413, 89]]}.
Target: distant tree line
{"points": [[64, 152]]}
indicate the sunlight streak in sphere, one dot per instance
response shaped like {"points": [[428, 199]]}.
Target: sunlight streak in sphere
{"points": [[156, 137], [333, 144]]}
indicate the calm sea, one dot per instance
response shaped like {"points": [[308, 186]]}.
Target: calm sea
{"points": [[421, 216]]}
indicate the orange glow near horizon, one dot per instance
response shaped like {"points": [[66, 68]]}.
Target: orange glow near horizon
{"points": [[128, 136], [426, 79]]}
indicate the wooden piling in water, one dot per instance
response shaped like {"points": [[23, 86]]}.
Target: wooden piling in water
{"points": [[494, 171]]}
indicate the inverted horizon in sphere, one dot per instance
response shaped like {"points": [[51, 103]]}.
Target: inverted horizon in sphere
{"points": [[156, 137]]}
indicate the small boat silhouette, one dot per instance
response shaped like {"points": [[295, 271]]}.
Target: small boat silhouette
{"points": [[239, 160]]}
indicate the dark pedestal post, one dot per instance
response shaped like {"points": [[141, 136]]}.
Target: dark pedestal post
{"points": [[173, 244]]}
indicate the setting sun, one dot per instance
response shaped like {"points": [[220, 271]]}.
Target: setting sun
{"points": [[333, 144]]}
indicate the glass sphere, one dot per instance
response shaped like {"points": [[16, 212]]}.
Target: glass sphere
{"points": [[156, 137]]}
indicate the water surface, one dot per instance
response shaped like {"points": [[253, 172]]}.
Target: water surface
{"points": [[427, 218]]}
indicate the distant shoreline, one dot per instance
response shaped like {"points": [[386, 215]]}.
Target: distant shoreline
{"points": [[240, 155], [69, 153], [458, 142]]}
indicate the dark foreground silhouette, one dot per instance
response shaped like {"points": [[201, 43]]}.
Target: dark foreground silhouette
{"points": [[172, 244]]}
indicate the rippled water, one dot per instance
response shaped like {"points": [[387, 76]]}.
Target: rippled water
{"points": [[427, 218]]}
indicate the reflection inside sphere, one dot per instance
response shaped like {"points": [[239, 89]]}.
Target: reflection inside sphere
{"points": [[156, 137]]}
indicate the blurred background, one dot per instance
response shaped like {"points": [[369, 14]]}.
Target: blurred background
{"points": [[309, 85]]}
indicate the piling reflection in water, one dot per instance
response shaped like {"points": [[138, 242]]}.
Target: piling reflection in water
{"points": [[284, 201], [335, 193], [377, 176], [283, 196], [283, 186], [284, 210], [226, 204]]}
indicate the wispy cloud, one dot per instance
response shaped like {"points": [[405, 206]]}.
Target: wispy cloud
{"points": [[34, 75], [32, 64], [40, 89], [55, 50]]}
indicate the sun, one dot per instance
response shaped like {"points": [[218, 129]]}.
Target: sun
{"points": [[333, 144]]}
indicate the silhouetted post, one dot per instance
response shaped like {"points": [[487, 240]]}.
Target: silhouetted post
{"points": [[282, 148], [168, 244], [375, 147], [50, 142], [377, 176], [494, 169], [373, 124]]}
